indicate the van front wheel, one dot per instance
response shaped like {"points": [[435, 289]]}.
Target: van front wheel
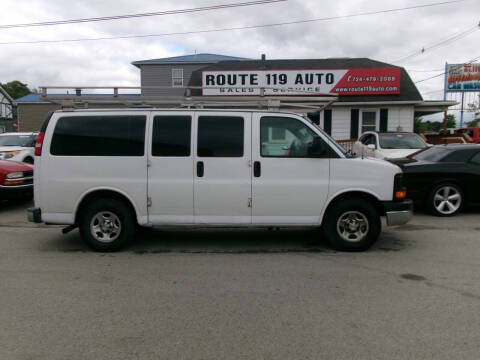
{"points": [[107, 225], [352, 225]]}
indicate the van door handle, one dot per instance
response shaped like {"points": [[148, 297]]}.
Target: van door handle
{"points": [[200, 169], [257, 169]]}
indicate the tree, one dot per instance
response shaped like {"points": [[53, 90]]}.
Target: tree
{"points": [[475, 108], [419, 126], [16, 89], [451, 122], [473, 123], [428, 126]]}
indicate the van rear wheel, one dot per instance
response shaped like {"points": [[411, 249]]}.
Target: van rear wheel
{"points": [[107, 225], [352, 225]]}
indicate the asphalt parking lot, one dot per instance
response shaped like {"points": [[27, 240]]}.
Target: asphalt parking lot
{"points": [[240, 294]]}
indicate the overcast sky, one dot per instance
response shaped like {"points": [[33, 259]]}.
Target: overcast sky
{"points": [[384, 37]]}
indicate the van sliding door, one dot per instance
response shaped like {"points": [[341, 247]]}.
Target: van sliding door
{"points": [[222, 171]]}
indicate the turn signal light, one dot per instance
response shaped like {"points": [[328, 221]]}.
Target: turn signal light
{"points": [[400, 194], [13, 182]]}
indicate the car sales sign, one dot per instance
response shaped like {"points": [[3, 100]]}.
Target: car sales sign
{"points": [[462, 77], [374, 81]]}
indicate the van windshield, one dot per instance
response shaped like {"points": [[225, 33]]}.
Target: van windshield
{"points": [[331, 140]]}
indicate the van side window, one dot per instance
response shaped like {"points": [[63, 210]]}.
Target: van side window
{"points": [[121, 135], [220, 136], [297, 141], [171, 135]]}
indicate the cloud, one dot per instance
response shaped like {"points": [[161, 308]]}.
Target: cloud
{"points": [[383, 37]]}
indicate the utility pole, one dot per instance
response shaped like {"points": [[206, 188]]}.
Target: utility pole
{"points": [[445, 98]]}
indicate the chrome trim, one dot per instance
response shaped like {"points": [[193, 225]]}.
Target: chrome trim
{"points": [[18, 179], [16, 186], [398, 217]]}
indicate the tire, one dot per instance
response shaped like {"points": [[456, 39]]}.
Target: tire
{"points": [[28, 160], [445, 200], [107, 225], [364, 229]]}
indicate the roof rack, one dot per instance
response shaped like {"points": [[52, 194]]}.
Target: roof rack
{"points": [[310, 102]]}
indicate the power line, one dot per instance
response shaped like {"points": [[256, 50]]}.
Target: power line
{"points": [[443, 42], [433, 70], [435, 76], [235, 28], [129, 16], [432, 91]]}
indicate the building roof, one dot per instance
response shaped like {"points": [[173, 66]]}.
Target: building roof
{"points": [[188, 59], [408, 90]]}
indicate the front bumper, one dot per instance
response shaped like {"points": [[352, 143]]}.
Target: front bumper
{"points": [[398, 212], [16, 191]]}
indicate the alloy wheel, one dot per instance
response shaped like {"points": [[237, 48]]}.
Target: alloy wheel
{"points": [[447, 200]]}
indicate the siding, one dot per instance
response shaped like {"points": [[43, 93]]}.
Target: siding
{"points": [[31, 116], [161, 75], [400, 118]]}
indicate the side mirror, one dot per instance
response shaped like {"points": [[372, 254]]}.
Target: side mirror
{"points": [[371, 147], [318, 148]]}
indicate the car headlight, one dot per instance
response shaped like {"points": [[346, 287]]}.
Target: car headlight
{"points": [[15, 175], [10, 154]]}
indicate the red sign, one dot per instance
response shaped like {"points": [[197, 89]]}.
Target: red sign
{"points": [[377, 81]]}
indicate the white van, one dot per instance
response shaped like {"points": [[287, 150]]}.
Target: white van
{"points": [[106, 171]]}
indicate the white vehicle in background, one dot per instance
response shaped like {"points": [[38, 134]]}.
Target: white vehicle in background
{"points": [[18, 146], [388, 145]]}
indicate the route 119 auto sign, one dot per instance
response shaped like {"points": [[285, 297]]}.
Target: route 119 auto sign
{"points": [[374, 81]]}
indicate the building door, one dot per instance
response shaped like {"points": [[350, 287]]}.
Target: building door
{"points": [[222, 172], [289, 184]]}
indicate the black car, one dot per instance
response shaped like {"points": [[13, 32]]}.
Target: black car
{"points": [[444, 178]]}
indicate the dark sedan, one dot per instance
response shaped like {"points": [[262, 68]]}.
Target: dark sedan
{"points": [[443, 178]]}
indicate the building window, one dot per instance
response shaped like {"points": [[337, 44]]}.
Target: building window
{"points": [[369, 121], [177, 77]]}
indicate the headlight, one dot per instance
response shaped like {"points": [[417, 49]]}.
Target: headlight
{"points": [[10, 154], [15, 175]]}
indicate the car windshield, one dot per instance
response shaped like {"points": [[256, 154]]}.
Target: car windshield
{"points": [[401, 141], [435, 153], [17, 140]]}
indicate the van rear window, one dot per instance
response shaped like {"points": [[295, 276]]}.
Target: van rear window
{"points": [[121, 135]]}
